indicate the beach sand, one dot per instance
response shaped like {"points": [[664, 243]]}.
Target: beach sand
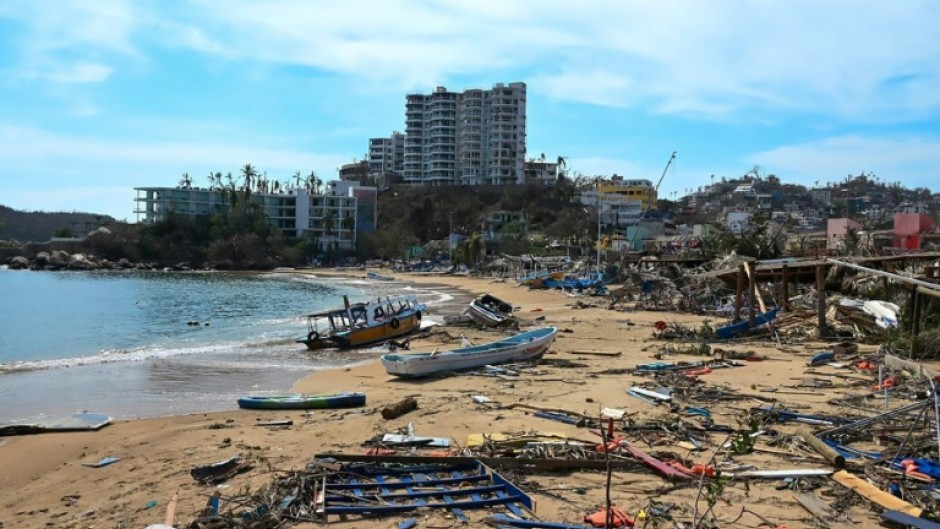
{"points": [[43, 482]]}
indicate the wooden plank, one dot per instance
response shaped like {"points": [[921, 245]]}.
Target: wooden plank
{"points": [[760, 299], [594, 353], [661, 468], [874, 494], [820, 510]]}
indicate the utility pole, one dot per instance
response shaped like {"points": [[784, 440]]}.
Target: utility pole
{"points": [[597, 194]]}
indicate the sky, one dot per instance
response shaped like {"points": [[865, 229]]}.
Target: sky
{"points": [[97, 98]]}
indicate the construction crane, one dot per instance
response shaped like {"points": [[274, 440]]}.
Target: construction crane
{"points": [[649, 205], [671, 158]]}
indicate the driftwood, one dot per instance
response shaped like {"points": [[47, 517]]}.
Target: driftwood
{"points": [[820, 447], [393, 411]]}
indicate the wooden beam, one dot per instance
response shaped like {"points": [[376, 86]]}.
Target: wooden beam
{"points": [[915, 319], [875, 495], [785, 288], [751, 295], [821, 300], [752, 276], [739, 290]]}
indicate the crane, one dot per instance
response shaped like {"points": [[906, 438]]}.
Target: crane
{"points": [[671, 158]]}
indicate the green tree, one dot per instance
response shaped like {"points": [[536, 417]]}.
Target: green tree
{"points": [[328, 222], [475, 249], [186, 181]]}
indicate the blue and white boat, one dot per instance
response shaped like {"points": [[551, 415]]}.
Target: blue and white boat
{"points": [[519, 348]]}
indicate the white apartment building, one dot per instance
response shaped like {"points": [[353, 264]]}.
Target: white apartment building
{"points": [[387, 155], [328, 219], [475, 137]]}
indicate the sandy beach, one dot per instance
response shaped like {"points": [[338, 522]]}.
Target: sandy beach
{"points": [[44, 483]]}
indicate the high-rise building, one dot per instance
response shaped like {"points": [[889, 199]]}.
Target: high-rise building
{"points": [[387, 156], [475, 137]]}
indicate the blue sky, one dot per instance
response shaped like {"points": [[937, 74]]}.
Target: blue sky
{"points": [[97, 97]]}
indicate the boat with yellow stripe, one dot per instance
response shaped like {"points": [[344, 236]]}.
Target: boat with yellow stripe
{"points": [[357, 324]]}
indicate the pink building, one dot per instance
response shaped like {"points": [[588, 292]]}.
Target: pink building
{"points": [[908, 227], [837, 229]]}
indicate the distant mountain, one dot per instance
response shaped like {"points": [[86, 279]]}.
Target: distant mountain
{"points": [[39, 226]]}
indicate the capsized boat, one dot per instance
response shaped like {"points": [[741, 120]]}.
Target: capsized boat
{"points": [[520, 347], [303, 402], [729, 331], [359, 324], [490, 311]]}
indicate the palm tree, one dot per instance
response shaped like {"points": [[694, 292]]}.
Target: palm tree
{"points": [[186, 181], [211, 179], [313, 183], [297, 178], [475, 248], [562, 163], [348, 223], [249, 173], [327, 222]]}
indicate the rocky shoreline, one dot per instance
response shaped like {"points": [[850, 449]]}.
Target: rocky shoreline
{"points": [[80, 255]]}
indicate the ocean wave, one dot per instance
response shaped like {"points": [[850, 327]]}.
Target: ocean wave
{"points": [[111, 356]]}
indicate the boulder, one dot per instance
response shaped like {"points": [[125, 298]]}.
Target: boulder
{"points": [[42, 259], [82, 262], [19, 263], [59, 258], [124, 263], [102, 234]]}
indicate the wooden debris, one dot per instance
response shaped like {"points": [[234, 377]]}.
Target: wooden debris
{"points": [[820, 447], [874, 494], [393, 411]]}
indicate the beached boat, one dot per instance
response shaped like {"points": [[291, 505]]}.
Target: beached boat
{"points": [[303, 402], [490, 311], [521, 347], [363, 323], [730, 330], [378, 277]]}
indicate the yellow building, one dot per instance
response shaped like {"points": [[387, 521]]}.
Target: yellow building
{"points": [[633, 190]]}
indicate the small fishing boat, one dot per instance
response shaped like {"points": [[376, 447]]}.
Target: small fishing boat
{"points": [[521, 347], [378, 277], [303, 402], [359, 324], [732, 329], [490, 311]]}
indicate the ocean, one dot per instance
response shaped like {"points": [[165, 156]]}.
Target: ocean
{"points": [[144, 344]]}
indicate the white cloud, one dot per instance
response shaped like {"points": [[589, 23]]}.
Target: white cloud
{"points": [[914, 161], [868, 60], [863, 61], [77, 73]]}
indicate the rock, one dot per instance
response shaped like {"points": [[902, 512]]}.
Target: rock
{"points": [[102, 234], [42, 259], [124, 263], [59, 258], [82, 262], [19, 263]]}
